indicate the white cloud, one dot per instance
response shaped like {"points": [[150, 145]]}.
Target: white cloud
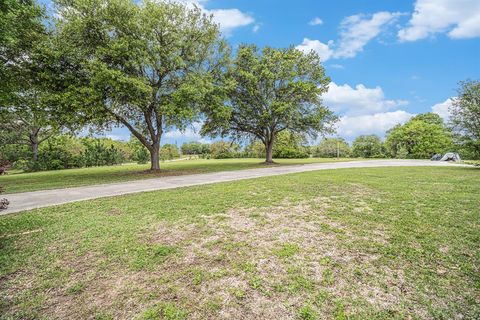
{"points": [[316, 21], [355, 32], [358, 30], [323, 50], [359, 100], [457, 18], [256, 28], [228, 19], [442, 108], [350, 127]]}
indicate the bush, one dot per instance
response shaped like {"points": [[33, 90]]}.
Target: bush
{"points": [[368, 146], [169, 152], [329, 148], [290, 145], [224, 150]]}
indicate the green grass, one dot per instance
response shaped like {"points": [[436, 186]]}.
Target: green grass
{"points": [[17, 181], [373, 243]]}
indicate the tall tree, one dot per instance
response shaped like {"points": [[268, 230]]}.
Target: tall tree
{"points": [[367, 146], [465, 115], [421, 137], [27, 93], [148, 66], [270, 91]]}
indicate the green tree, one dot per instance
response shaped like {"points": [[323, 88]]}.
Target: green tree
{"points": [[420, 138], [148, 66], [169, 152], [367, 146], [465, 116], [224, 149], [27, 68], [270, 91], [331, 148], [255, 149], [290, 145]]}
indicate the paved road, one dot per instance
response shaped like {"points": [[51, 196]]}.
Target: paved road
{"points": [[45, 198]]}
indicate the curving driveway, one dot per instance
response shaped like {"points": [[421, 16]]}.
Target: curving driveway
{"points": [[44, 198]]}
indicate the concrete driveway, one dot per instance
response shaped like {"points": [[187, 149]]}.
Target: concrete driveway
{"points": [[45, 198]]}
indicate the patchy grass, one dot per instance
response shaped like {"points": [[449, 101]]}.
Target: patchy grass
{"points": [[16, 181], [377, 243]]}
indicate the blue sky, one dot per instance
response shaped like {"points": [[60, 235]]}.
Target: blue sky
{"points": [[387, 60]]}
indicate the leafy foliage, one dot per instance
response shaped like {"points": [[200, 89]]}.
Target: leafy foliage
{"points": [[421, 137], [289, 145], [332, 148], [465, 117], [367, 146], [270, 91], [148, 66]]}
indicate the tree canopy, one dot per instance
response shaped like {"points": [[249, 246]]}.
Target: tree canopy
{"points": [[367, 146], [29, 76], [269, 91], [421, 137], [465, 116], [331, 148], [148, 66]]}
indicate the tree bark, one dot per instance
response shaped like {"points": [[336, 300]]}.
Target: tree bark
{"points": [[155, 157], [34, 143], [269, 152]]}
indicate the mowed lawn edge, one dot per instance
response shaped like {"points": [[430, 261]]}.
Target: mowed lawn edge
{"points": [[380, 243], [57, 179]]}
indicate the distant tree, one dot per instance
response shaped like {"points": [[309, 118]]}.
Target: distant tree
{"points": [[420, 138], [465, 116], [271, 91], [148, 66], [224, 149], [169, 152], [290, 145], [194, 148], [367, 146], [331, 148], [255, 149]]}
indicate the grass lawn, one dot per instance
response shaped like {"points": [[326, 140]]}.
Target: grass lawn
{"points": [[376, 243], [23, 182]]}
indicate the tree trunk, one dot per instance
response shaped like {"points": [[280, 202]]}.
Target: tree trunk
{"points": [[155, 157], [269, 152], [34, 145], [35, 151]]}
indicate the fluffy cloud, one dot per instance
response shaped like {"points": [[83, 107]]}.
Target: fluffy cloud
{"points": [[355, 32], [358, 30], [442, 108], [458, 18], [228, 19], [359, 100], [350, 127], [323, 50], [316, 21]]}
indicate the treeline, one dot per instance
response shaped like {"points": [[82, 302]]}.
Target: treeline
{"points": [[420, 138]]}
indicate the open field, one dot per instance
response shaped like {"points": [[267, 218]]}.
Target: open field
{"points": [[377, 243], [23, 182]]}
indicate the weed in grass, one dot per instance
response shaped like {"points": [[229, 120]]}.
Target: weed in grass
{"points": [[76, 288], [287, 250], [167, 311], [307, 313]]}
